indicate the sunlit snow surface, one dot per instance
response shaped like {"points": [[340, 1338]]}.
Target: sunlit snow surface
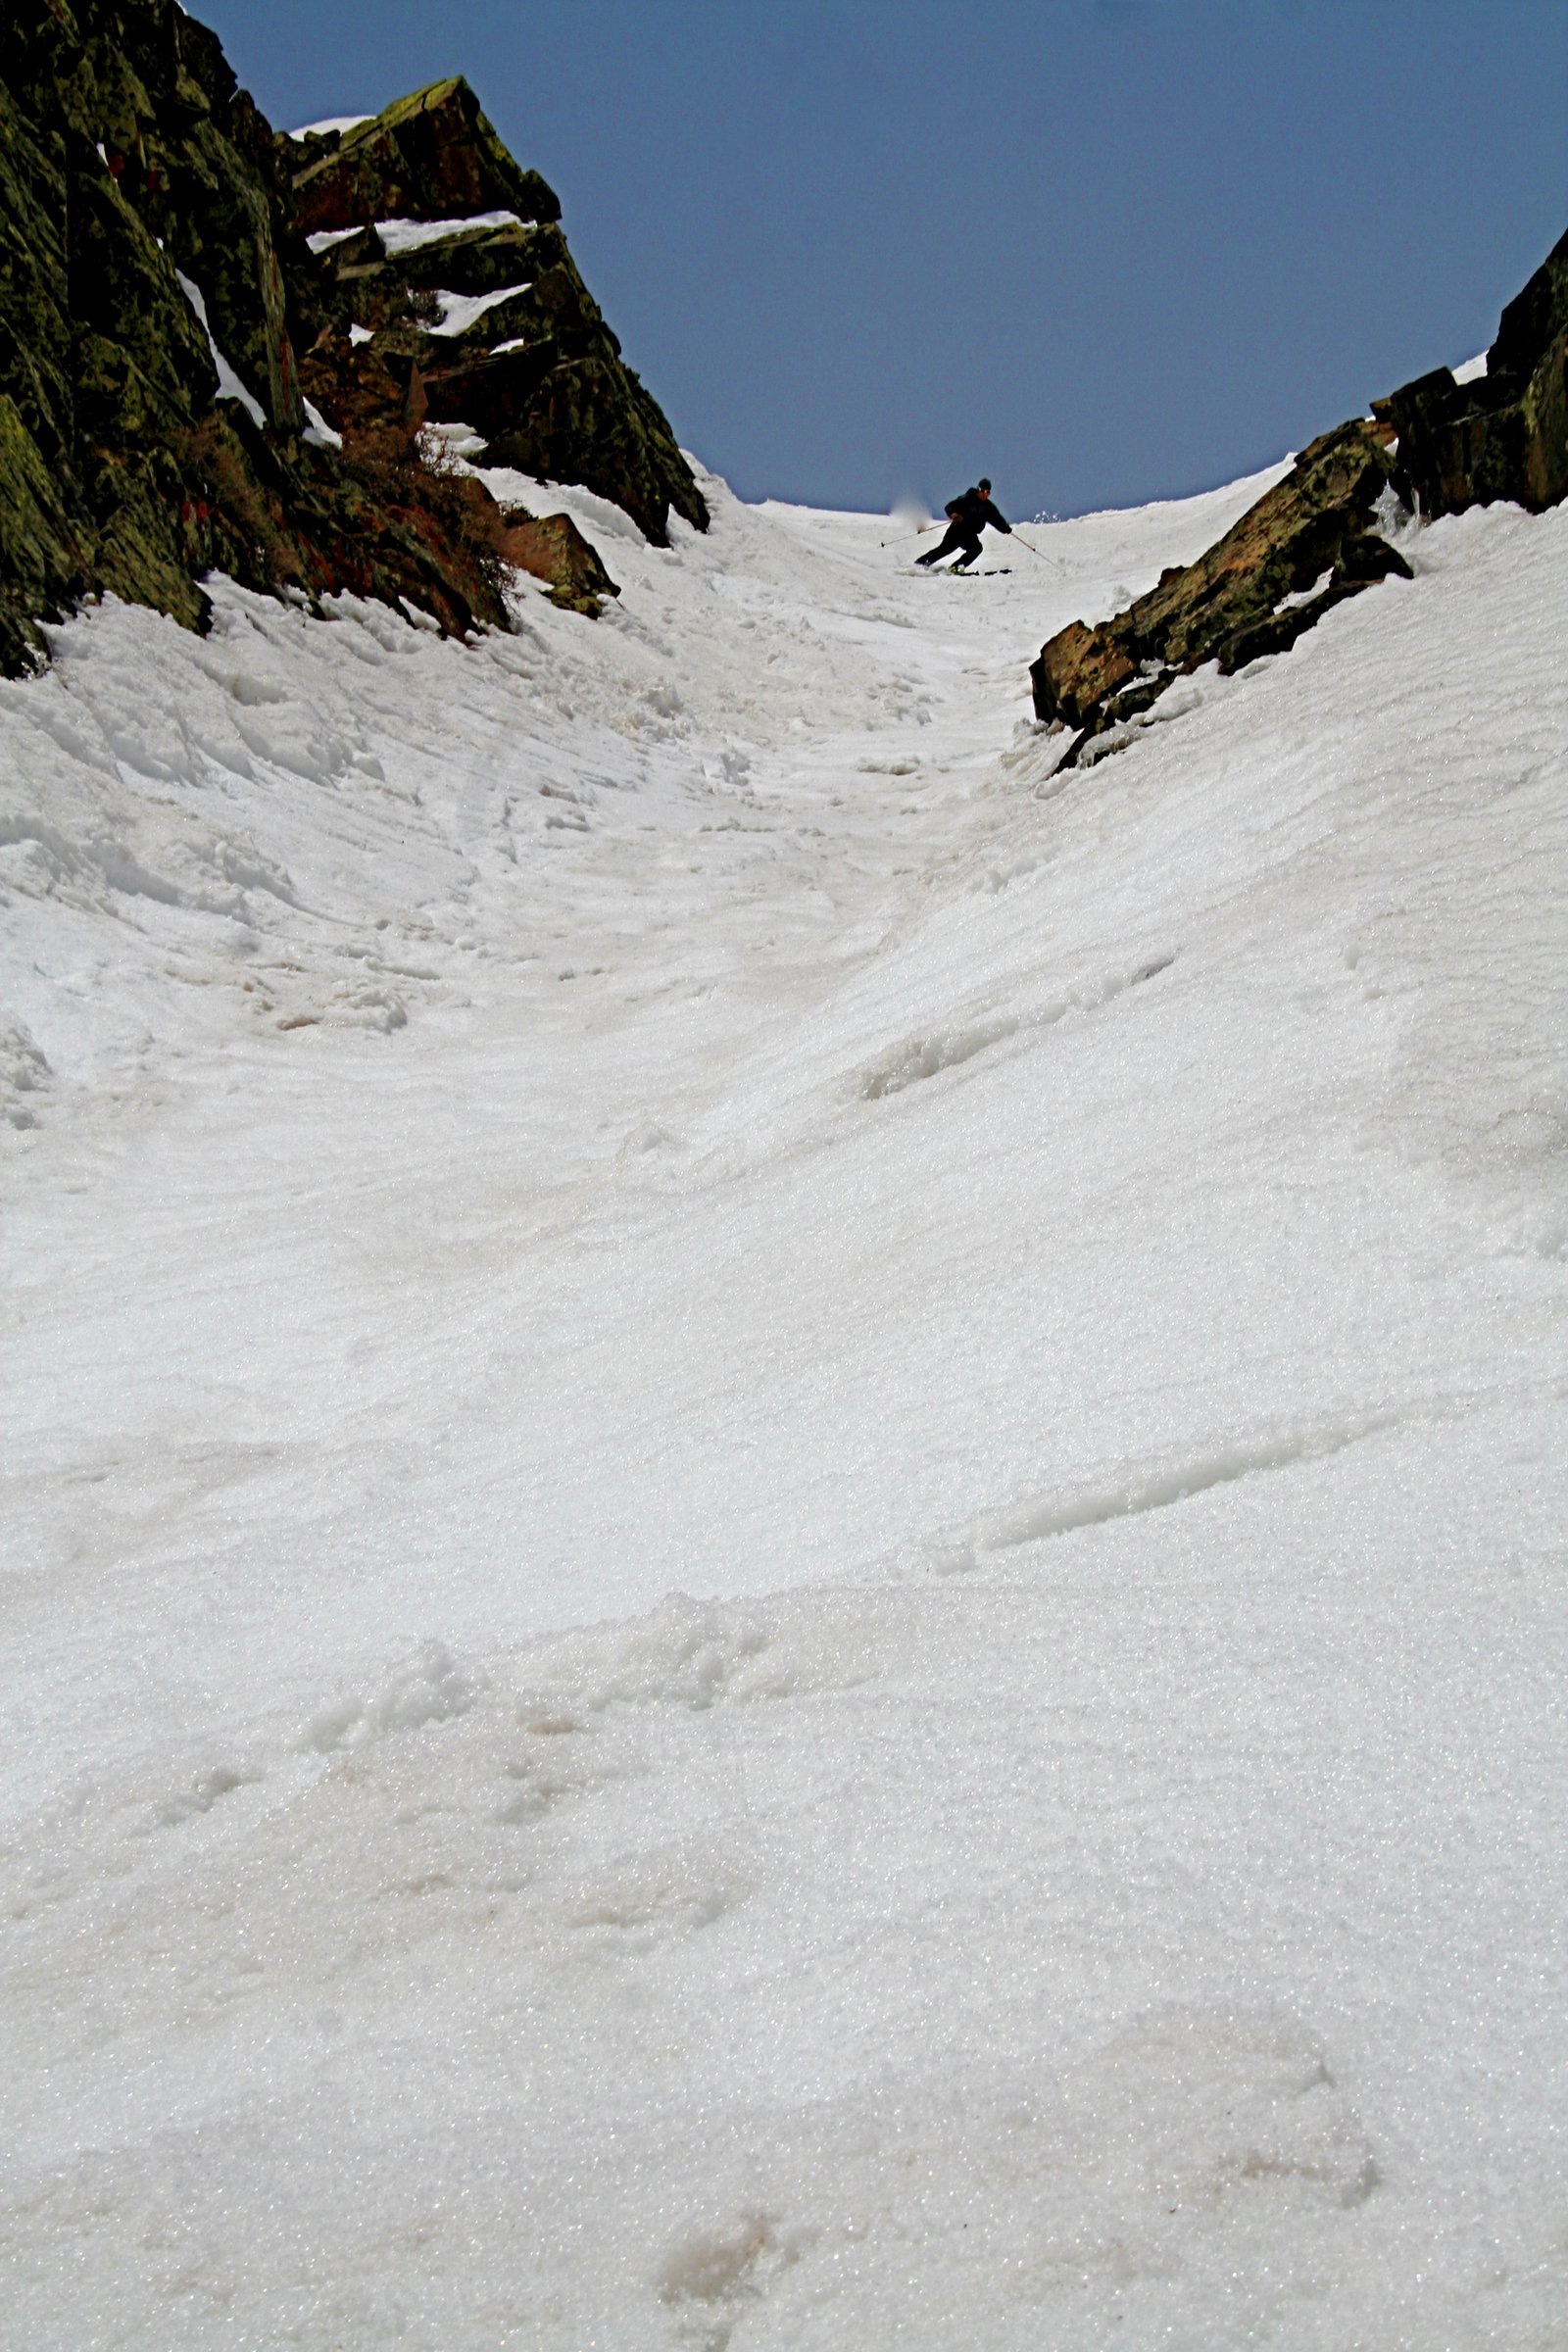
{"points": [[1024, 1315]]}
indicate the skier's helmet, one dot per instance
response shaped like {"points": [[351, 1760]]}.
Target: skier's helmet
{"points": [[984, 484]]}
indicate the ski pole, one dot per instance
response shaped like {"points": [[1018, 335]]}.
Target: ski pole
{"points": [[1033, 550], [898, 537]]}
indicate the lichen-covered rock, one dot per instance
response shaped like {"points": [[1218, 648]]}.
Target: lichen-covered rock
{"points": [[539, 374], [186, 149], [1437, 446], [1306, 545], [364, 387], [432, 156], [552, 548], [375, 518], [571, 419], [124, 162], [101, 364], [1505, 435], [469, 261], [139, 185], [42, 561]]}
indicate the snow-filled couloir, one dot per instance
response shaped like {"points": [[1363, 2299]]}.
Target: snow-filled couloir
{"points": [[784, 1505]]}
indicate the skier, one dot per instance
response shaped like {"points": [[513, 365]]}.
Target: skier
{"points": [[967, 517]]}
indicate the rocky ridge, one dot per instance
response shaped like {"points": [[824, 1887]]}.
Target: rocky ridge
{"points": [[187, 385], [1318, 536], [452, 296]]}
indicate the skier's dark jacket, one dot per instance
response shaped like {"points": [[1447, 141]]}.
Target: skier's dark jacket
{"points": [[975, 512]]}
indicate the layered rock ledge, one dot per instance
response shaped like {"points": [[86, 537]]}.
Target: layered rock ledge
{"points": [[1306, 545], [1431, 448], [186, 385], [454, 297]]}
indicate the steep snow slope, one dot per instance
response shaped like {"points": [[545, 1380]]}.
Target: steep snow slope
{"points": [[1030, 1311]]}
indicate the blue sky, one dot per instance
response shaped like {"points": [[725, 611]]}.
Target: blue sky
{"points": [[1101, 249]]}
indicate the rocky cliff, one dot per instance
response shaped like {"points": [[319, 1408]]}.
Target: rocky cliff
{"points": [[1431, 448], [212, 357], [1502, 434], [466, 302]]}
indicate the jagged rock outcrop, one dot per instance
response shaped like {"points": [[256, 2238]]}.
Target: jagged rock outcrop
{"points": [[552, 548], [503, 331], [1433, 446], [1505, 435], [432, 156], [1306, 545], [165, 328]]}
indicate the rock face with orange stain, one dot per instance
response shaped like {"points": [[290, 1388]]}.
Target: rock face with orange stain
{"points": [[552, 548], [1435, 447], [1304, 547], [188, 384], [437, 251]]}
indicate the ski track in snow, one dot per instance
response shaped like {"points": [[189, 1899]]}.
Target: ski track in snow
{"points": [[784, 1508]]}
